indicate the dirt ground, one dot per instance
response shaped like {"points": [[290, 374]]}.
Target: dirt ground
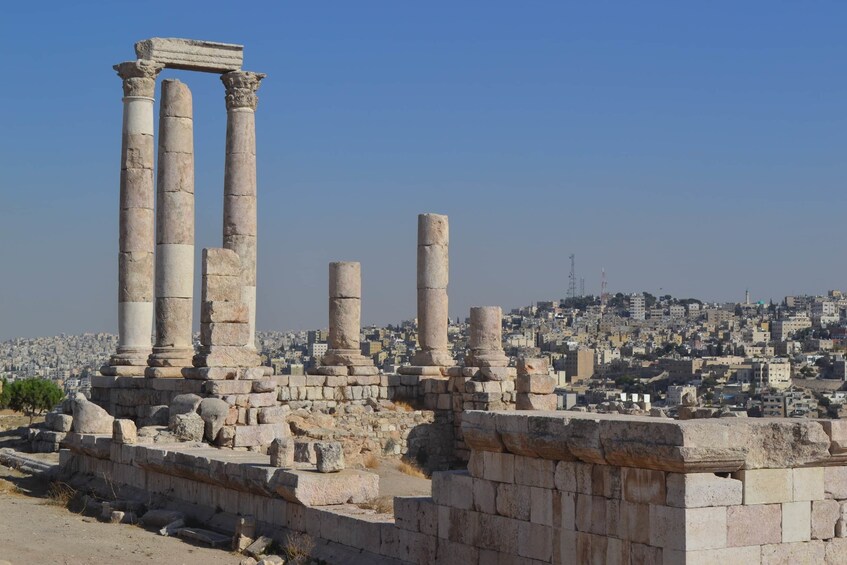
{"points": [[32, 530]]}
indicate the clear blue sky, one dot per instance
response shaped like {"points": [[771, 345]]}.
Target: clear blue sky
{"points": [[694, 147]]}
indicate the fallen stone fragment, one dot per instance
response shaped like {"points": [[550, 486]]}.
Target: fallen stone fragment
{"points": [[330, 457], [214, 412], [272, 560], [173, 528], [189, 427], [258, 547], [281, 452], [210, 538], [182, 404], [89, 418], [116, 517]]}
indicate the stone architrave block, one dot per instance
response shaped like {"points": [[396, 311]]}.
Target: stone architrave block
{"points": [[763, 486], [756, 524], [191, 54], [124, 431], [796, 521], [697, 490]]}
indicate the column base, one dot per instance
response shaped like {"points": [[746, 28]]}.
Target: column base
{"points": [[487, 358], [422, 371], [122, 371], [433, 358], [346, 357], [171, 357]]}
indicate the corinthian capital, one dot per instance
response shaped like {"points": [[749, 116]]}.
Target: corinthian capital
{"points": [[241, 87], [139, 77]]}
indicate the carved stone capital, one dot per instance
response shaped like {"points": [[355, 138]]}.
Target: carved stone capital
{"points": [[241, 87], [139, 77]]}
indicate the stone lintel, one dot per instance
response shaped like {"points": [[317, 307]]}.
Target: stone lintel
{"points": [[191, 54], [710, 445]]}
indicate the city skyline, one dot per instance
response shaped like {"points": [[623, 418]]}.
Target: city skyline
{"points": [[676, 148]]}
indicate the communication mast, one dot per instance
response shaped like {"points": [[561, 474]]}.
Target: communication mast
{"points": [[572, 278]]}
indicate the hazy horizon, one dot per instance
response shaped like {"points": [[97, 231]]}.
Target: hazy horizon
{"points": [[691, 150]]}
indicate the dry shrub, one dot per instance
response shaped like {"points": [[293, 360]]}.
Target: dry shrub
{"points": [[299, 547], [411, 469], [371, 461], [403, 406], [9, 488], [60, 494], [381, 505]]}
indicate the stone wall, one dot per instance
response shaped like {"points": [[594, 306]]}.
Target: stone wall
{"points": [[551, 488]]}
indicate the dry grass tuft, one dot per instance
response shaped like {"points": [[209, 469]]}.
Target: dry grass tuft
{"points": [[9, 488], [403, 406], [371, 461], [299, 547], [411, 469], [60, 494], [381, 505]]}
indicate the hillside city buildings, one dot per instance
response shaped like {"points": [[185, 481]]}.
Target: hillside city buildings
{"points": [[784, 359]]}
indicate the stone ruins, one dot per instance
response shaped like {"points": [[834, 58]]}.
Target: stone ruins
{"points": [[216, 435]]}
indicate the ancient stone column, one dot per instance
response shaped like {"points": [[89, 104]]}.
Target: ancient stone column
{"points": [[239, 226], [486, 338], [135, 258], [345, 316], [174, 348], [433, 270]]}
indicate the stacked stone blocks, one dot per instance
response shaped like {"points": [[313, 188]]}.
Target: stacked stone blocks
{"points": [[535, 386]]}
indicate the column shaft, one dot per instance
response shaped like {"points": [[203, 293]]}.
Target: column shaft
{"points": [[433, 277], [174, 233], [240, 214], [135, 258]]}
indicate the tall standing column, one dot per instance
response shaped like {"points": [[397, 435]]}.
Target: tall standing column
{"points": [[345, 317], [135, 258], [174, 347], [239, 227], [433, 276]]}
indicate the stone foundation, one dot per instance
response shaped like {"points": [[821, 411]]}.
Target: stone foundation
{"points": [[547, 488]]}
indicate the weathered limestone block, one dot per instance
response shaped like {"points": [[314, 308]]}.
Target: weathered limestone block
{"points": [[182, 404], [696, 490], [224, 333], [88, 418], [757, 524], [808, 483], [688, 528], [762, 486], [796, 521], [226, 356], [532, 366], [124, 431], [231, 312], [330, 457], [214, 412], [188, 426], [345, 279], [258, 434], [191, 54], [281, 452], [825, 514], [59, 422], [220, 261], [530, 401], [311, 488], [537, 384]]}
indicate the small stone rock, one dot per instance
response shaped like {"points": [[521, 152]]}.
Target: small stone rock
{"points": [[330, 456], [214, 412], [117, 517], [189, 427], [124, 431], [281, 452], [182, 404], [89, 418]]}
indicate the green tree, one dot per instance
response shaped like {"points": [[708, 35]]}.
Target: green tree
{"points": [[31, 396]]}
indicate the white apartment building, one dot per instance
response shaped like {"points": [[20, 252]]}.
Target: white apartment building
{"points": [[771, 373], [786, 328], [636, 306]]}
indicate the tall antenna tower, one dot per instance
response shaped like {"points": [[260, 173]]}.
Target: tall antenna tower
{"points": [[572, 278], [581, 286], [604, 295]]}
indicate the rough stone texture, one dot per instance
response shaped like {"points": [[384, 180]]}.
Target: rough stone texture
{"points": [[58, 422], [183, 404], [754, 525], [825, 514], [528, 401], [88, 418], [214, 412], [311, 488], [486, 338], [124, 431], [281, 452], [330, 457], [696, 490], [188, 427], [191, 54]]}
